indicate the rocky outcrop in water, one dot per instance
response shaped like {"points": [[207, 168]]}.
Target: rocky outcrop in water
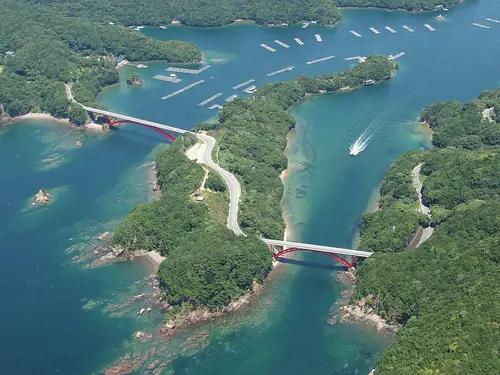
{"points": [[42, 197], [362, 311], [127, 367]]}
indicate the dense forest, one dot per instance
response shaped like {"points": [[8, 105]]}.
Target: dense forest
{"points": [[200, 12], [445, 292], [41, 48], [470, 125], [206, 264], [222, 12], [411, 5]]}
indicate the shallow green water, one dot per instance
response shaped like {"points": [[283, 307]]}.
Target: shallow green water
{"points": [[47, 330]]}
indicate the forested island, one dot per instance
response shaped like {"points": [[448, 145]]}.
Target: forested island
{"points": [[445, 292], [42, 47], [206, 265], [134, 79]]}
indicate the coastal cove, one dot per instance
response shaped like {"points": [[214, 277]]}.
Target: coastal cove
{"points": [[285, 330]]}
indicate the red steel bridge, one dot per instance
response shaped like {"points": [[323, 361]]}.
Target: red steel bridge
{"points": [[281, 248], [166, 130]]}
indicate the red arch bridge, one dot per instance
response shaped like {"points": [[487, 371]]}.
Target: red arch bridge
{"points": [[166, 134], [281, 248], [162, 129]]}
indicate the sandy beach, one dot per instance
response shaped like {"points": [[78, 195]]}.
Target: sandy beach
{"points": [[47, 116], [153, 259], [40, 116], [94, 127]]}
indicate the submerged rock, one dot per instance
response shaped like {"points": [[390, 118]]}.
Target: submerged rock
{"points": [[332, 321], [127, 367], [103, 236], [42, 197], [139, 335]]}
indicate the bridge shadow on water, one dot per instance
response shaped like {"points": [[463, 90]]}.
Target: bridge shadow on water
{"points": [[304, 263], [151, 136]]}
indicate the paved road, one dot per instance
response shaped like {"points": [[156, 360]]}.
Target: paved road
{"points": [[415, 175], [206, 156], [231, 182]]}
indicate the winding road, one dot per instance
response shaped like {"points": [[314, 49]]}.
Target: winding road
{"points": [[426, 232], [203, 154], [415, 175]]}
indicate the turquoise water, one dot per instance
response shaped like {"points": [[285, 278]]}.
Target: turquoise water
{"points": [[46, 328]]}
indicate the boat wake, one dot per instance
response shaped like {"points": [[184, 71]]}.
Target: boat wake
{"points": [[358, 146], [363, 140]]}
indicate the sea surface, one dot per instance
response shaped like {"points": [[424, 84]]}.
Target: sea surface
{"points": [[61, 317]]}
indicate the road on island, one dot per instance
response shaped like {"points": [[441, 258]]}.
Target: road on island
{"points": [[204, 156], [426, 232], [418, 187]]}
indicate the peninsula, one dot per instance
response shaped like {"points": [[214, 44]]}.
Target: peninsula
{"points": [[53, 48], [207, 266], [444, 292], [200, 13], [410, 5]]}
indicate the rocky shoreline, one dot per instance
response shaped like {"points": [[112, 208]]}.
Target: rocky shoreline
{"points": [[190, 316], [349, 310], [362, 311]]}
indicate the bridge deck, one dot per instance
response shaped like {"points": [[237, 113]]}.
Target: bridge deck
{"points": [[135, 119], [324, 249]]}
